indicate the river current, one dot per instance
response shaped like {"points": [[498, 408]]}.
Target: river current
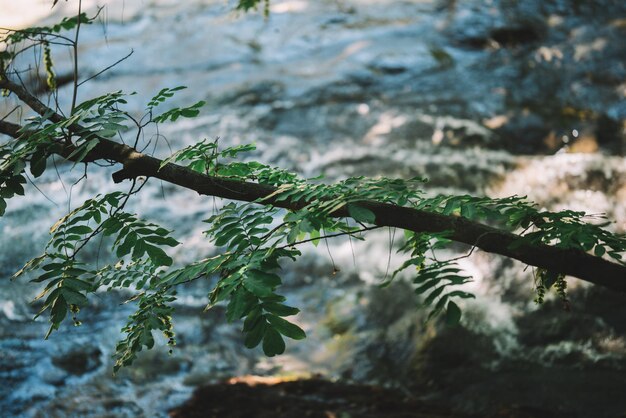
{"points": [[488, 98]]}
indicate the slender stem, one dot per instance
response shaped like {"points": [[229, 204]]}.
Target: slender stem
{"points": [[339, 234], [75, 47], [9, 114], [267, 236], [118, 209], [106, 68], [571, 261]]}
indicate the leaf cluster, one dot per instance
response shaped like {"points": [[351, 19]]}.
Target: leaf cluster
{"points": [[177, 112], [433, 277], [66, 24], [16, 42], [247, 274], [252, 240], [68, 281], [247, 5], [204, 157], [154, 313]]}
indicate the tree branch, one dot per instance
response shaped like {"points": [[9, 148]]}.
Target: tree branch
{"points": [[572, 262]]}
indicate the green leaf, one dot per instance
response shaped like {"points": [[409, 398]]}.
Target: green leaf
{"points": [[314, 235], [361, 214], [38, 163], [53, 266], [280, 309], [138, 250], [453, 314], [161, 231], [127, 245], [158, 256], [427, 285], [81, 151], [550, 278], [599, 251], [51, 284], [113, 199], [224, 237], [74, 298], [273, 343], [461, 294], [286, 328], [77, 284], [451, 206], [159, 240], [240, 304], [293, 234], [260, 283], [57, 314], [79, 229], [15, 186], [433, 295], [147, 339], [441, 303], [256, 333], [189, 113], [252, 319]]}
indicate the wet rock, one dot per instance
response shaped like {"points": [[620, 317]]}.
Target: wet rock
{"points": [[122, 408], [548, 326], [524, 133], [512, 36], [81, 405], [213, 367], [389, 67], [602, 303], [313, 398], [611, 131], [363, 93], [455, 349], [362, 77], [79, 360], [539, 392], [375, 333], [263, 92], [508, 37], [153, 364]]}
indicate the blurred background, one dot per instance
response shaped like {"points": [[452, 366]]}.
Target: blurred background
{"points": [[495, 98]]}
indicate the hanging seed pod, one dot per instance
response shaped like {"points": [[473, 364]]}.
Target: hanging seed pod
{"points": [[51, 80], [266, 8]]}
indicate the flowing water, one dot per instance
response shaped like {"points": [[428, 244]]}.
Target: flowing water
{"points": [[489, 98]]}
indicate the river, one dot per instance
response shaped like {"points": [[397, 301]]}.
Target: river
{"points": [[483, 97]]}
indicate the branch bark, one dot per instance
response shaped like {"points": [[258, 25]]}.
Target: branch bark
{"points": [[571, 262]]}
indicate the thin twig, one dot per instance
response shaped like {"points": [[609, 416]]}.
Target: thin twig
{"points": [[351, 247], [339, 234], [471, 250], [570, 261], [106, 69], [56, 169], [462, 256], [9, 114], [75, 47], [392, 238], [98, 229], [39, 190]]}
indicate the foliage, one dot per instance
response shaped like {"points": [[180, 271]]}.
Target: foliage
{"points": [[253, 238], [247, 5]]}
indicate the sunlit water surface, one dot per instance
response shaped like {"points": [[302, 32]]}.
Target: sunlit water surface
{"points": [[345, 88]]}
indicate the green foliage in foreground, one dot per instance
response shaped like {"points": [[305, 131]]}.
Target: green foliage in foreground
{"points": [[253, 239]]}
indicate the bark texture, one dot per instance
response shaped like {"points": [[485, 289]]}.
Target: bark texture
{"points": [[571, 262]]}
